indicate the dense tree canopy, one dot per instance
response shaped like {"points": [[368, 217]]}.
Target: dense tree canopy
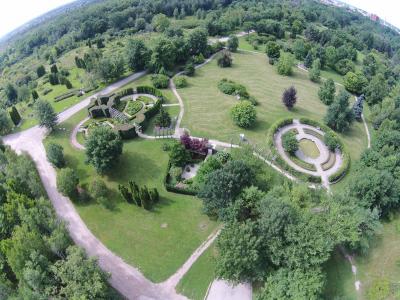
{"points": [[103, 148]]}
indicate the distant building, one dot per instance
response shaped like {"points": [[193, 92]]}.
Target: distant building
{"points": [[374, 17]]}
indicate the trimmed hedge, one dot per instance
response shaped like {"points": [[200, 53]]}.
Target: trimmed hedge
{"points": [[279, 160], [339, 174], [126, 131]]}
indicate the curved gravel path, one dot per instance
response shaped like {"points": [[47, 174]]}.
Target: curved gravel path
{"points": [[73, 139]]}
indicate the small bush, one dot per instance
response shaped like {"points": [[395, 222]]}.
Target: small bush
{"points": [[160, 81], [244, 114], [289, 142], [15, 116], [331, 141], [189, 69], [180, 81], [67, 182], [230, 87], [198, 59], [55, 155], [97, 189], [175, 173], [224, 59]]}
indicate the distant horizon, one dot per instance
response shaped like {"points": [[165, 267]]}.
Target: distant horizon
{"points": [[384, 9], [17, 13], [20, 12]]}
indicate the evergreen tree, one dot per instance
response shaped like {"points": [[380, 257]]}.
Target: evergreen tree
{"points": [[327, 92], [339, 115], [163, 118], [315, 73], [289, 97], [45, 114], [54, 69], [358, 107], [125, 193], [145, 198], [308, 60], [176, 13]]}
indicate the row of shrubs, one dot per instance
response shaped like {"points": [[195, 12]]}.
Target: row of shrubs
{"points": [[279, 160], [230, 87], [140, 196], [335, 177]]}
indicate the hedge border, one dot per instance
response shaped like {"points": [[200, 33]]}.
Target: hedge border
{"points": [[346, 161], [173, 189], [100, 107], [279, 160]]}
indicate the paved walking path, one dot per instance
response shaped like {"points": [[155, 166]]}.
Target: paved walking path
{"points": [[318, 162]]}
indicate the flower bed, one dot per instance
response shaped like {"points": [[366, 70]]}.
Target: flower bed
{"points": [[133, 107]]}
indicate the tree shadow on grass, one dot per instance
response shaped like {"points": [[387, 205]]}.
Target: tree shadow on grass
{"points": [[134, 166]]}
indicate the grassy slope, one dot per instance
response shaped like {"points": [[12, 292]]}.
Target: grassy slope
{"points": [[131, 232], [195, 283], [380, 263], [207, 109]]}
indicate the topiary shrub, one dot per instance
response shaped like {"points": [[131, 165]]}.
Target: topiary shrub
{"points": [[159, 81], [180, 81], [244, 114]]}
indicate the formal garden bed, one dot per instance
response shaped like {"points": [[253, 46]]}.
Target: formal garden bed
{"points": [[125, 113], [344, 167], [276, 157]]}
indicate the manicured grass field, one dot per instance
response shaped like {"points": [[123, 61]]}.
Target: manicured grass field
{"points": [[134, 234], [195, 283], [207, 109], [309, 148]]}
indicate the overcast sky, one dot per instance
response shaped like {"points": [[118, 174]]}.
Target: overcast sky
{"points": [[14, 13], [388, 10]]}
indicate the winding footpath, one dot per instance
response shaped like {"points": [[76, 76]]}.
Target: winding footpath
{"points": [[127, 280]]}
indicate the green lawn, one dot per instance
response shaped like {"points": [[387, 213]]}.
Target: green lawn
{"points": [[309, 148], [381, 263], [383, 259], [131, 232], [340, 279], [207, 109], [195, 283]]}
